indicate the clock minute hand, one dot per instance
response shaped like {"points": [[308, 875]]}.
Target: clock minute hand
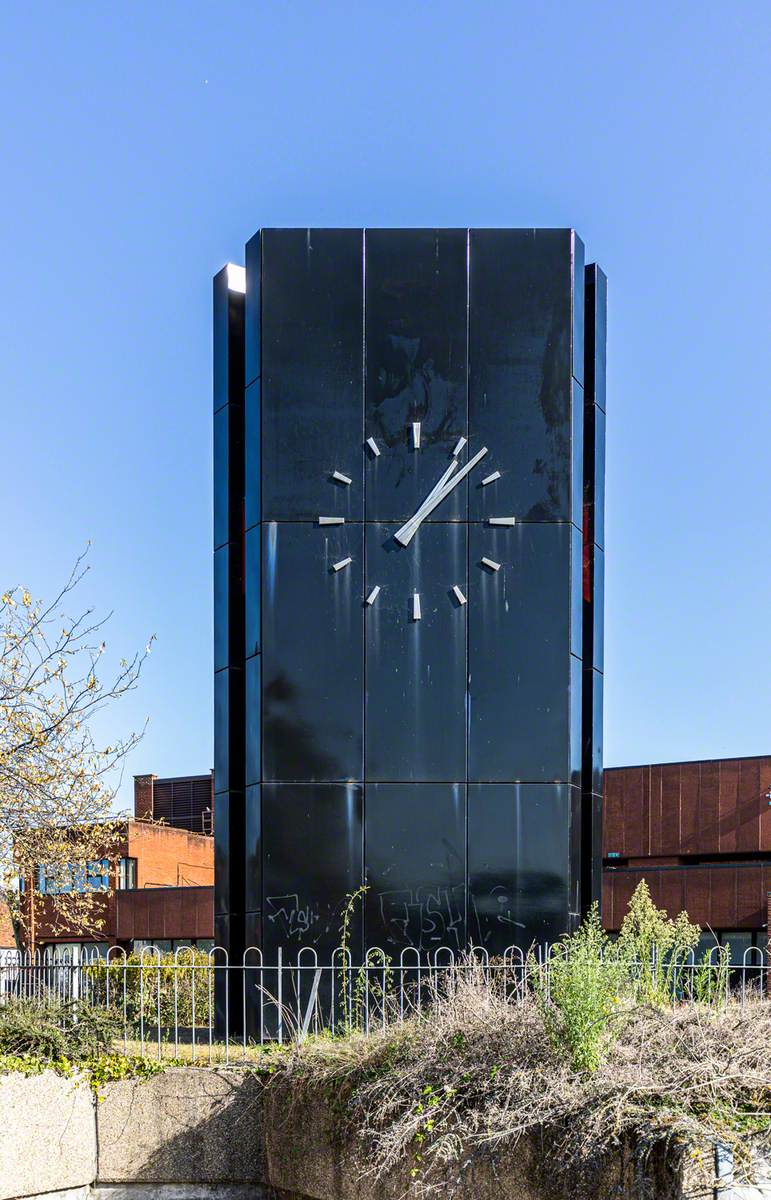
{"points": [[409, 529], [434, 492]]}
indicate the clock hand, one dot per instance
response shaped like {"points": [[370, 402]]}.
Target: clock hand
{"points": [[434, 491], [442, 489]]}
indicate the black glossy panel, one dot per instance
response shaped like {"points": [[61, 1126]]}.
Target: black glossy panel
{"points": [[416, 670], [228, 373], [416, 310], [221, 490], [312, 861], [579, 288], [577, 455], [222, 852], [576, 592], [312, 652], [252, 455], [519, 864], [576, 904], [576, 719], [253, 851], [252, 597], [597, 685], [252, 722], [598, 611], [252, 307], [221, 607], [415, 850], [221, 731], [312, 372], [599, 476], [519, 653], [596, 334], [520, 376]]}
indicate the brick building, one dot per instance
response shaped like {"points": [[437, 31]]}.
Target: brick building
{"points": [[699, 833], [161, 890]]}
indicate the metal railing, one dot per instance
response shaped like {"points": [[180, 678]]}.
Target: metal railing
{"points": [[198, 1006]]}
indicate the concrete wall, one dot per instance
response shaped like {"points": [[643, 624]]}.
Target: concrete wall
{"points": [[223, 1134], [47, 1134]]}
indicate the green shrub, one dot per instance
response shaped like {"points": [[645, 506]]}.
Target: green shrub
{"points": [[180, 990], [657, 949], [51, 1030], [580, 992]]}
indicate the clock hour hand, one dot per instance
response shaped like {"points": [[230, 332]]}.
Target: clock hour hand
{"points": [[431, 495], [434, 498]]}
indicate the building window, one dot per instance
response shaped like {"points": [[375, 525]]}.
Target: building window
{"points": [[57, 879], [127, 874]]}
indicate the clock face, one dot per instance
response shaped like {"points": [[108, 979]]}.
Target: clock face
{"points": [[462, 462]]}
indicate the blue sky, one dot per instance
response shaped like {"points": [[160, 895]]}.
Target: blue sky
{"points": [[141, 146]]}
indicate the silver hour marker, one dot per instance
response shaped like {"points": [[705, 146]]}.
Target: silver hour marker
{"points": [[458, 594], [461, 442], [491, 564], [331, 520], [416, 435], [491, 478], [501, 520], [346, 479], [416, 606], [373, 447], [372, 597], [344, 562]]}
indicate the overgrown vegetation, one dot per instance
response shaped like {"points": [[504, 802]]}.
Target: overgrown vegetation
{"points": [[609, 1042], [66, 1037]]}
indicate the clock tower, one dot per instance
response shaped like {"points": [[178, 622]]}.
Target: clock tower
{"points": [[408, 588]]}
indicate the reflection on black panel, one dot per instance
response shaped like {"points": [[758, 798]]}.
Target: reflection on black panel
{"points": [[252, 307], [577, 456], [253, 851], [252, 473], [221, 608], [312, 861], [221, 491], [222, 731], [221, 853], [579, 305], [312, 372], [518, 847], [416, 669], [416, 866], [520, 372], [252, 597], [312, 661], [519, 653], [252, 715], [416, 366]]}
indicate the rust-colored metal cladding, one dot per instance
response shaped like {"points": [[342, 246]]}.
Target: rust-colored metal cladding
{"points": [[699, 833]]}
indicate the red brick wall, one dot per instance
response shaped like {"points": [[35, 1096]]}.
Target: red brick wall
{"points": [[169, 857]]}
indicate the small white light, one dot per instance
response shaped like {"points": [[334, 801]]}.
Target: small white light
{"points": [[459, 594], [501, 520], [416, 435], [344, 562], [490, 564], [461, 442], [346, 479], [331, 520], [416, 606], [372, 597], [373, 447], [491, 478], [236, 278]]}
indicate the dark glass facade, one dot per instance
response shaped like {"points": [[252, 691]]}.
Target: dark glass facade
{"points": [[425, 717]]}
